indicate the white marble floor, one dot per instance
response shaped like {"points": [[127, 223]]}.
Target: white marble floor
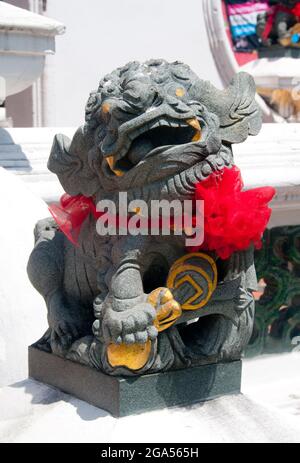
{"points": [[274, 381], [268, 411]]}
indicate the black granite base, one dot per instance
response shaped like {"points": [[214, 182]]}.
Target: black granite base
{"points": [[127, 396]]}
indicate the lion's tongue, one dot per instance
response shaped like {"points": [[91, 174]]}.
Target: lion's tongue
{"points": [[139, 149]]}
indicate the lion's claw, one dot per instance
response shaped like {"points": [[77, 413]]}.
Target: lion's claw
{"points": [[63, 334]]}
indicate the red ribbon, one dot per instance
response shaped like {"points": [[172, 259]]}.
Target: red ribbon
{"points": [[233, 219], [71, 213]]}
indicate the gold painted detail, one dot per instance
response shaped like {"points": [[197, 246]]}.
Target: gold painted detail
{"points": [[198, 270], [111, 162], [105, 108], [196, 125], [132, 356], [180, 92], [167, 309]]}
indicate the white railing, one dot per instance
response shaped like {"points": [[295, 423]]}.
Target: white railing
{"points": [[271, 158]]}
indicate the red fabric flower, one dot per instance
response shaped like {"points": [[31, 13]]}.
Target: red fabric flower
{"points": [[233, 219]]}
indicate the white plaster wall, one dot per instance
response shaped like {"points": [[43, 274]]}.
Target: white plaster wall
{"points": [[102, 35], [22, 310]]}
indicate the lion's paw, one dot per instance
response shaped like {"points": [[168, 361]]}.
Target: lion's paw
{"points": [[135, 325]]}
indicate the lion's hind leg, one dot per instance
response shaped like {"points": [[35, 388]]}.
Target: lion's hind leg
{"points": [[46, 270]]}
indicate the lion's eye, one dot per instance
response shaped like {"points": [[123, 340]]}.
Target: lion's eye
{"points": [[110, 89], [180, 92], [176, 90]]}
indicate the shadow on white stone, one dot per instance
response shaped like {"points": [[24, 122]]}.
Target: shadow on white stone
{"points": [[34, 412]]}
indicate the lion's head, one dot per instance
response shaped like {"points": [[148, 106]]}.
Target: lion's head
{"points": [[154, 130]]}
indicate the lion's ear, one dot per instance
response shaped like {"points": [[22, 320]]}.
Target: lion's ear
{"points": [[236, 107], [69, 160]]}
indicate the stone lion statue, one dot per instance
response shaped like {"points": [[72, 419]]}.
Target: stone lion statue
{"points": [[152, 130]]}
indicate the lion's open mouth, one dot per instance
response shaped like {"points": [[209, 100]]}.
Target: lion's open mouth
{"points": [[155, 135]]}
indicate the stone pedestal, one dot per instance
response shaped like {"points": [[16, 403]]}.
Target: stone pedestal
{"points": [[126, 396]]}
